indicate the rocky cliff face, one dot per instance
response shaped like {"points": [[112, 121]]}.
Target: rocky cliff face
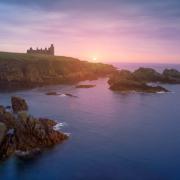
{"points": [[24, 135], [150, 75], [138, 80], [31, 70]]}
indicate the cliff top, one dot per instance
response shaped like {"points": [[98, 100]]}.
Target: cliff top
{"points": [[29, 57]]}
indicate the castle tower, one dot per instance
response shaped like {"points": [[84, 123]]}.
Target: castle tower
{"points": [[51, 49]]}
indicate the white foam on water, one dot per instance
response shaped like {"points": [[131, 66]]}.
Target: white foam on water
{"points": [[68, 134], [161, 92], [62, 95], [58, 126]]}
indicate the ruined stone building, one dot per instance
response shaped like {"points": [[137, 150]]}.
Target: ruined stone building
{"points": [[46, 51]]}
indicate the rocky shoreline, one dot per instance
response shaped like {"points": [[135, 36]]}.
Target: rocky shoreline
{"points": [[138, 81], [24, 135]]}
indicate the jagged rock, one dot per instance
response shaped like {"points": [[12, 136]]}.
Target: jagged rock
{"points": [[147, 75], [24, 134], [171, 76], [125, 81], [18, 104], [2, 131], [8, 119], [7, 145], [2, 110], [120, 75], [171, 73]]}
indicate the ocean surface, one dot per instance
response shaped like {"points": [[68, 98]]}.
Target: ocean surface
{"points": [[113, 136]]}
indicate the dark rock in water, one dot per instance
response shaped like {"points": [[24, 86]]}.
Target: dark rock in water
{"points": [[70, 95], [120, 75], [18, 104], [52, 94], [171, 76], [85, 86], [127, 85], [147, 75], [8, 118], [125, 81], [23, 134], [171, 73]]}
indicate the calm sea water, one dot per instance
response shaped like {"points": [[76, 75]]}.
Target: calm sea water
{"points": [[114, 136]]}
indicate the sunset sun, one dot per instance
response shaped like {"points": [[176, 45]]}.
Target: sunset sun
{"points": [[94, 58]]}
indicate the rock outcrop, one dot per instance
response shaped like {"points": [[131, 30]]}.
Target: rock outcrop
{"points": [[125, 81], [24, 135], [169, 76], [127, 85], [171, 73], [2, 131], [18, 104], [147, 75]]}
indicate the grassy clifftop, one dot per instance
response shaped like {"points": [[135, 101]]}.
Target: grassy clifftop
{"points": [[31, 70], [9, 56]]}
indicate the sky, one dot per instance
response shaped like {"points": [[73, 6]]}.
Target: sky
{"points": [[106, 30]]}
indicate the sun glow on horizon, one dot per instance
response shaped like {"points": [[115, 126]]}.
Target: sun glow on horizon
{"points": [[94, 58]]}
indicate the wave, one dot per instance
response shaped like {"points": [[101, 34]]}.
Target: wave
{"points": [[68, 134], [161, 92], [62, 95], [58, 126]]}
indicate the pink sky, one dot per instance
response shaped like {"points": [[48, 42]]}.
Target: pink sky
{"points": [[110, 31]]}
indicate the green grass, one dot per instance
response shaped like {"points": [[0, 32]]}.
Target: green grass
{"points": [[8, 56]]}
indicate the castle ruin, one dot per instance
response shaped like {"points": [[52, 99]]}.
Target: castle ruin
{"points": [[46, 51]]}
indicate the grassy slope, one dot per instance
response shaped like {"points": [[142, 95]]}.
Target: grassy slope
{"points": [[8, 56]]}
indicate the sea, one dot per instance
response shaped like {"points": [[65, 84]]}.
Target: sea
{"points": [[112, 136]]}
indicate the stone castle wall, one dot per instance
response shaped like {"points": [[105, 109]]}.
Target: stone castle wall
{"points": [[46, 51]]}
